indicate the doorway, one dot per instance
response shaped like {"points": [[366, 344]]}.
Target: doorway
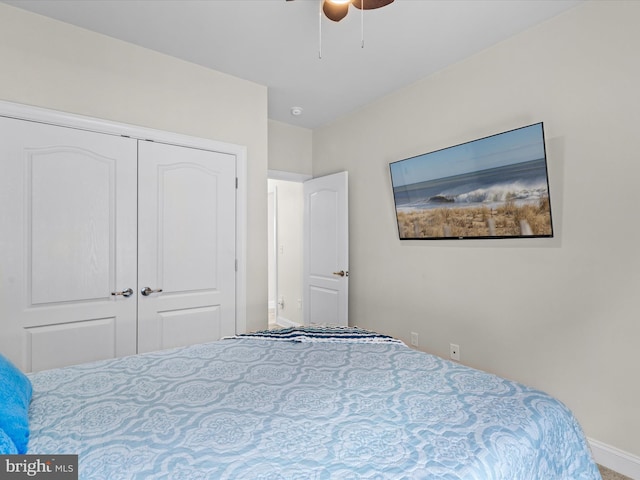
{"points": [[285, 242]]}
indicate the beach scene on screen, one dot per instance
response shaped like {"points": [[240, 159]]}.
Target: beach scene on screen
{"points": [[492, 187]]}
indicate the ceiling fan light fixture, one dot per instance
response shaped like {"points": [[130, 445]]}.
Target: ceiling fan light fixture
{"points": [[335, 11], [339, 2]]}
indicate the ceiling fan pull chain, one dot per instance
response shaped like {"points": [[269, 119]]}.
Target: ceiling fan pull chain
{"points": [[362, 25], [320, 31]]}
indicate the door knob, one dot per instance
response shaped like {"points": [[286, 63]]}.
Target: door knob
{"points": [[341, 273], [146, 291], [125, 293]]}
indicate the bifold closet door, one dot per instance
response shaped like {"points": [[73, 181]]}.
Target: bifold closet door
{"points": [[186, 245], [68, 245]]}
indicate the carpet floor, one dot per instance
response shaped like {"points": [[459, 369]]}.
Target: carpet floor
{"points": [[611, 475]]}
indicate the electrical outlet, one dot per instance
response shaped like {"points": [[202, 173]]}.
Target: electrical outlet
{"points": [[414, 339], [454, 352]]}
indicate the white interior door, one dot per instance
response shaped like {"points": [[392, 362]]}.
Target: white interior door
{"points": [[186, 245], [326, 250], [68, 216]]}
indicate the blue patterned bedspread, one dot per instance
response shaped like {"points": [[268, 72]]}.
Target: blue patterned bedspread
{"points": [[262, 408]]}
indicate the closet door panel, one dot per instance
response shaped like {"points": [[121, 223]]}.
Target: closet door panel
{"points": [[186, 215], [69, 241], [185, 193], [43, 343], [72, 231]]}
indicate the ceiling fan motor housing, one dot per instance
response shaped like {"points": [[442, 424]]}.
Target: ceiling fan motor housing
{"points": [[336, 10]]}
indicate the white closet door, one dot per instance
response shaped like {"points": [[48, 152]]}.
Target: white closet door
{"points": [[186, 245], [68, 216]]}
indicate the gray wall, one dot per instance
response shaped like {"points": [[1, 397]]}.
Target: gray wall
{"points": [[560, 314], [290, 148]]}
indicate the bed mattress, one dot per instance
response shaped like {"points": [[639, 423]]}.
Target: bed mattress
{"points": [[295, 406]]}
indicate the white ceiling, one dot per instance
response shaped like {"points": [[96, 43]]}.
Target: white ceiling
{"points": [[276, 43]]}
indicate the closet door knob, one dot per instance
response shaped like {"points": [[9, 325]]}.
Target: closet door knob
{"points": [[146, 291], [125, 293]]}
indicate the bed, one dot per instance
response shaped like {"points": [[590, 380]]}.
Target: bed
{"points": [[307, 403]]}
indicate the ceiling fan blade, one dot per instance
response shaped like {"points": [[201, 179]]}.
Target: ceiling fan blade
{"points": [[335, 12], [370, 4]]}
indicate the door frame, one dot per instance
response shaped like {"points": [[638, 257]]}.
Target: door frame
{"points": [[81, 122]]}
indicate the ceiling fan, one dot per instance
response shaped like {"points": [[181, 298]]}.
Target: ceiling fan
{"points": [[336, 10]]}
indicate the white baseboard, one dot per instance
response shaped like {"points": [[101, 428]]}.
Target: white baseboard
{"points": [[615, 459]]}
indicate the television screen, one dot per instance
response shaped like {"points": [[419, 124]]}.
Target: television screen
{"points": [[493, 187]]}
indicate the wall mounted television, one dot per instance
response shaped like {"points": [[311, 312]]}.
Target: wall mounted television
{"points": [[492, 187]]}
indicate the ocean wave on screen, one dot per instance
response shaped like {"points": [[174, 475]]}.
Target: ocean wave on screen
{"points": [[491, 196], [502, 193]]}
